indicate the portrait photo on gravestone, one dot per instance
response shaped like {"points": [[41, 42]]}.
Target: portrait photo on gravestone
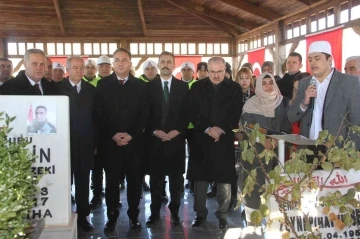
{"points": [[41, 118]]}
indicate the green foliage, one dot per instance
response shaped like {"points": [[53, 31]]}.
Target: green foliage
{"points": [[17, 183], [340, 154]]}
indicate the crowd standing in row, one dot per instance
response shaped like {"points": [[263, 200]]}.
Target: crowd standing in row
{"points": [[141, 125]]}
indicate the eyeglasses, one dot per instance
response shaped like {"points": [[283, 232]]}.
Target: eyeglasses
{"points": [[216, 72]]}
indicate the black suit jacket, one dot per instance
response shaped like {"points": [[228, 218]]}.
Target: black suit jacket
{"points": [[20, 85], [121, 108], [168, 156], [81, 124], [214, 161]]}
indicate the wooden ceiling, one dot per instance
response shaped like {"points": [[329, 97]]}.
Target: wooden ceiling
{"points": [[140, 18]]}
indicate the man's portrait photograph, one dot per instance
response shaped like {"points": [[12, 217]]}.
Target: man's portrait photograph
{"points": [[41, 120]]}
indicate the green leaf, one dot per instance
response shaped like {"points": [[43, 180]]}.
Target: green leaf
{"points": [[264, 210], [347, 219], [255, 217], [327, 166], [309, 152]]}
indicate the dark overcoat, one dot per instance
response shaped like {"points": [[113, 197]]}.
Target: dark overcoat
{"points": [[20, 85], [168, 156], [121, 108], [81, 124], [214, 161]]}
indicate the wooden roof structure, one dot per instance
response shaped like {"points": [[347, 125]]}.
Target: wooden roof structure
{"points": [[187, 19]]}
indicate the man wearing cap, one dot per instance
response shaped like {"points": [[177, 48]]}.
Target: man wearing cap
{"points": [[293, 66], [336, 98], [168, 121], [6, 70], [352, 66], [90, 72], [202, 70], [122, 110], [150, 71], [58, 72], [104, 69], [187, 72]]}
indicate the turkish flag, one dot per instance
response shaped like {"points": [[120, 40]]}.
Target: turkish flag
{"points": [[334, 37], [256, 58], [30, 114], [180, 59]]}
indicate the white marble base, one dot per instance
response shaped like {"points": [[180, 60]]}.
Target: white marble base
{"points": [[68, 232]]}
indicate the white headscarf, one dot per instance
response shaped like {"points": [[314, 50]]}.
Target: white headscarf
{"points": [[263, 103]]}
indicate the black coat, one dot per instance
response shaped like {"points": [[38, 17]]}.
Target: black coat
{"points": [[81, 124], [20, 85], [214, 161], [168, 156], [121, 108]]}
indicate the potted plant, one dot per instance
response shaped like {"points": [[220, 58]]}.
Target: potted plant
{"points": [[18, 185], [301, 200]]}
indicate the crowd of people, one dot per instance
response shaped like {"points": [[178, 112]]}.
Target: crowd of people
{"points": [[131, 127]]}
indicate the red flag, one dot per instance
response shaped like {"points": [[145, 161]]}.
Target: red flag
{"points": [[334, 37], [30, 114], [256, 58]]}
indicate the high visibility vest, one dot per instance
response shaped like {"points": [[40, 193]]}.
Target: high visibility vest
{"points": [[190, 83], [94, 81]]}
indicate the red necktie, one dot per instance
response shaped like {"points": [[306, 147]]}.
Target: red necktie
{"points": [[122, 81]]}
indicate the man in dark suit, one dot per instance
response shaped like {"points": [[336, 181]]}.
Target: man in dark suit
{"points": [[336, 98], [81, 96], [122, 109], [31, 81], [293, 66], [168, 122], [216, 105]]}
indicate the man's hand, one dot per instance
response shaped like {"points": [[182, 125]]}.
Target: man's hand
{"points": [[173, 133], [122, 139], [310, 92], [215, 133], [161, 135]]}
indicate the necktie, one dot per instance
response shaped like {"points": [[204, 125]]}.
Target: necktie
{"points": [[121, 81], [76, 89], [37, 89], [166, 92]]}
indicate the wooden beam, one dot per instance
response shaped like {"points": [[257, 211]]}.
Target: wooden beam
{"points": [[209, 21], [226, 18], [142, 17], [2, 47], [253, 9], [307, 2], [60, 18]]}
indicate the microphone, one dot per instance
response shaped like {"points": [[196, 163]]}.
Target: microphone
{"points": [[312, 99]]}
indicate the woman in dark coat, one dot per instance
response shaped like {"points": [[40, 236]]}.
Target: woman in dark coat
{"points": [[269, 109]]}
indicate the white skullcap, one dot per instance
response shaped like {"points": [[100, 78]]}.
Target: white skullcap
{"points": [[103, 60], [149, 63], [188, 64], [320, 46], [58, 65]]}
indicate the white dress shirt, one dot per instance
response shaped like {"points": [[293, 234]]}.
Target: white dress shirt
{"points": [[125, 79], [321, 89], [162, 83], [78, 85], [33, 83]]}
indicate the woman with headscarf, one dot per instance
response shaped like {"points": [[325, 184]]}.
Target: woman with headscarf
{"points": [[268, 108]]}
